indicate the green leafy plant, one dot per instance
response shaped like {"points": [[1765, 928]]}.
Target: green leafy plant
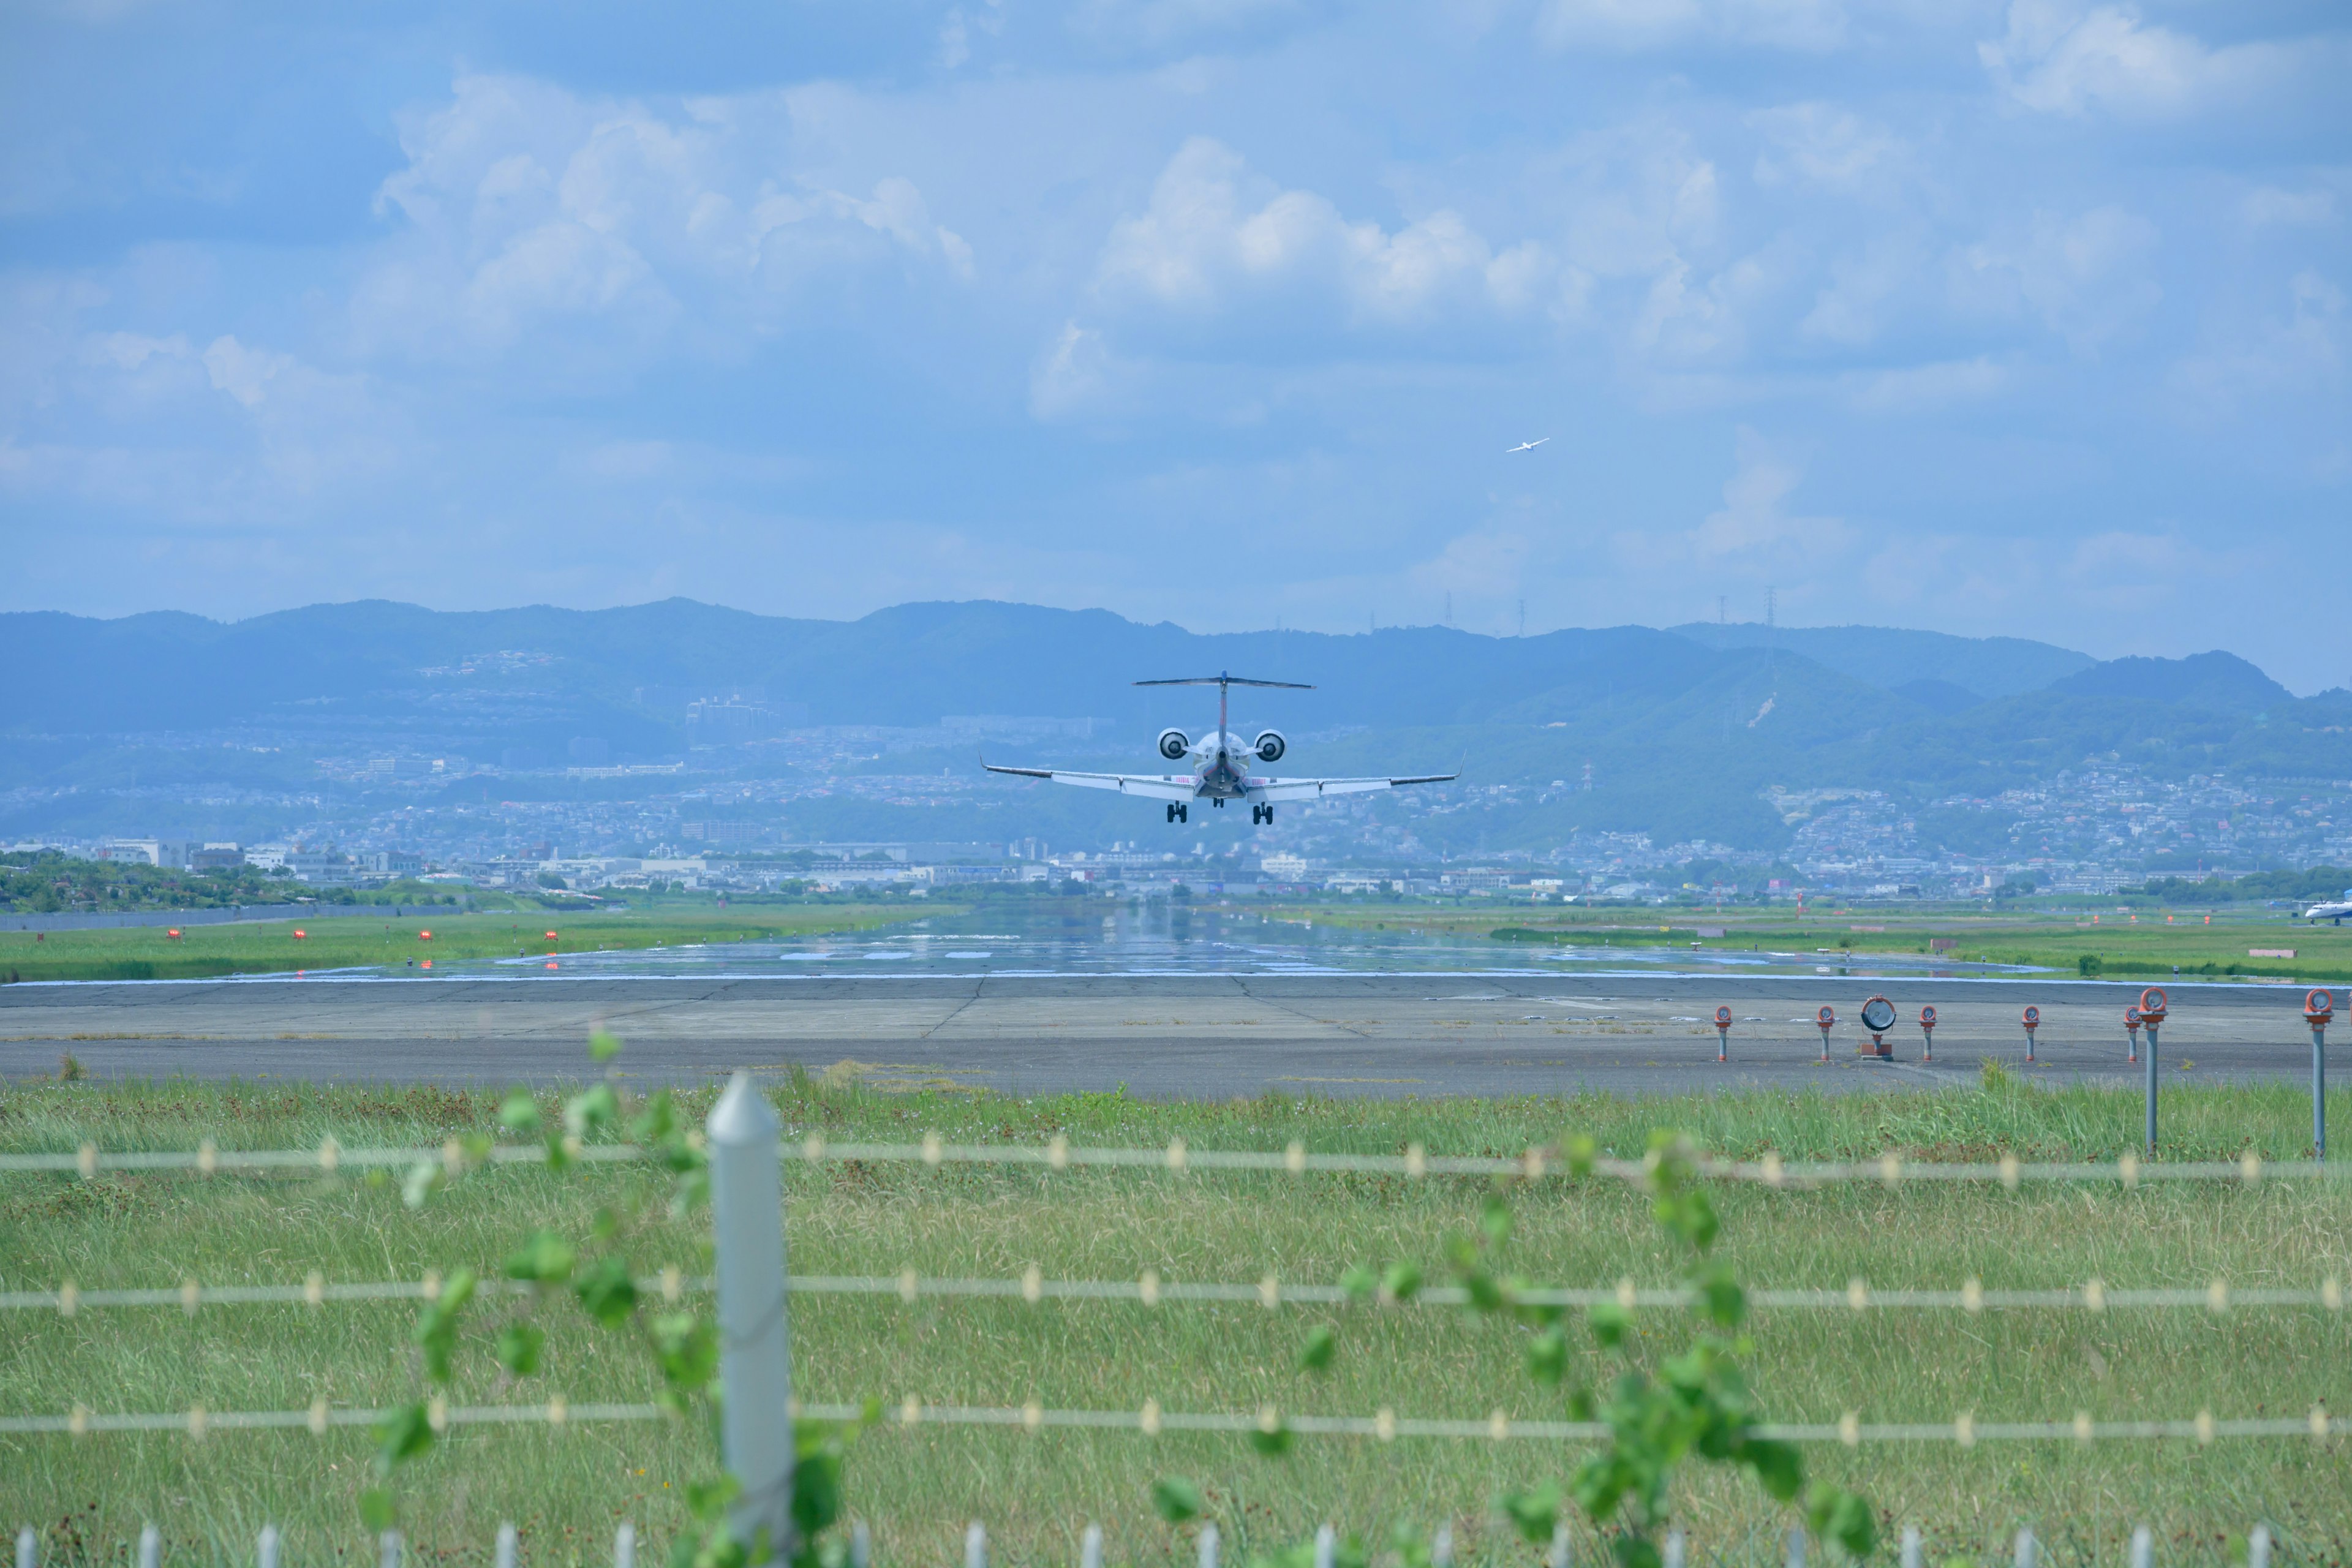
{"points": [[1693, 1405], [595, 1273]]}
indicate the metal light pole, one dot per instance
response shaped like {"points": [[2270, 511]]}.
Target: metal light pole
{"points": [[1723, 1034], [1927, 1032], [2033, 1022], [754, 1337], [2318, 1006], [1826, 1019]]}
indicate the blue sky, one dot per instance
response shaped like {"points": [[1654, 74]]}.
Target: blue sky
{"points": [[2025, 317]]}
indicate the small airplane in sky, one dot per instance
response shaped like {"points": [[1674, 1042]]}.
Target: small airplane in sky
{"points": [[1221, 765], [1526, 445]]}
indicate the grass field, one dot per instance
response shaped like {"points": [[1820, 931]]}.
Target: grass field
{"points": [[568, 1488], [2128, 943], [347, 942]]}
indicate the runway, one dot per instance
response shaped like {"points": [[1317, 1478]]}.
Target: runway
{"points": [[1180, 1036]]}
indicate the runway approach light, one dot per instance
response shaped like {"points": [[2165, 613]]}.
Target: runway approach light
{"points": [[424, 936], [2033, 1022], [1878, 1016], [300, 935], [1827, 1019]]}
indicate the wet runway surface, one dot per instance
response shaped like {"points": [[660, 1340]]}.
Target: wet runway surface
{"points": [[1202, 1034]]}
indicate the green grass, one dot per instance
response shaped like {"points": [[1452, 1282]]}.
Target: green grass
{"points": [[567, 1488], [2148, 948], [337, 941]]}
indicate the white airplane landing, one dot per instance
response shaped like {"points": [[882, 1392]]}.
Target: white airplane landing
{"points": [[1526, 445], [2336, 910], [1221, 764]]}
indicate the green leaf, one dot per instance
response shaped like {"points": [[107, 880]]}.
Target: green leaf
{"points": [[425, 1178], [1495, 1219], [1721, 1299], [1176, 1499], [603, 1046], [376, 1513], [1582, 1154], [657, 1121], [436, 1333], [1534, 1511], [1839, 1516], [520, 1112], [708, 1499], [1548, 1356], [1273, 1444], [687, 1349], [518, 1347], [1609, 1323], [545, 1260], [1779, 1469], [606, 1290], [592, 1108], [1360, 1282], [1633, 1551], [1402, 1282], [401, 1436], [1322, 1344]]}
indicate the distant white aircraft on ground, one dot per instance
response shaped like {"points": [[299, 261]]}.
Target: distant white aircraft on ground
{"points": [[2338, 911], [1220, 764], [1527, 446]]}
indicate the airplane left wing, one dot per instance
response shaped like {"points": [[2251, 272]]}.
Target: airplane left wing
{"points": [[1316, 789], [1150, 787]]}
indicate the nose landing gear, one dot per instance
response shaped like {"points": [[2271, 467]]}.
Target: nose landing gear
{"points": [[1176, 810], [1262, 813]]}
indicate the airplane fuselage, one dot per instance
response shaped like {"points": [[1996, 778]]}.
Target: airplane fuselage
{"points": [[2337, 913], [1220, 764]]}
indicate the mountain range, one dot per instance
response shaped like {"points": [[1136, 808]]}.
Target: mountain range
{"points": [[1684, 729]]}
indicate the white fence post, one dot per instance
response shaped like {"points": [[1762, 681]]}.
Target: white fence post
{"points": [[861, 1546], [1327, 1546], [2022, 1554], [754, 1336], [1676, 1547], [388, 1550], [1911, 1549], [28, 1548], [1796, 1549], [2143, 1549], [1441, 1547], [265, 1551], [1559, 1546], [624, 1546], [1090, 1547], [975, 1546], [1210, 1543], [506, 1557], [150, 1547], [2258, 1547]]}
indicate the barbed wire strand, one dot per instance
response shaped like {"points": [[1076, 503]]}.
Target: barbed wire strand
{"points": [[1855, 1296], [1890, 1170], [1964, 1429]]}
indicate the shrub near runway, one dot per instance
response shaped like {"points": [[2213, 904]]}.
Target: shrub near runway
{"points": [[373, 942], [567, 1488]]}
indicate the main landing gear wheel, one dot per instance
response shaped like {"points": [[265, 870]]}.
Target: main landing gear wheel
{"points": [[1176, 810], [1261, 814]]}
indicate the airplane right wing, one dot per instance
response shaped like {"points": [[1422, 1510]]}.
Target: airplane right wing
{"points": [[1151, 786], [1316, 789]]}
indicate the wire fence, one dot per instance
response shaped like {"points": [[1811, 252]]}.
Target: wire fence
{"points": [[2026, 1550], [1890, 1169], [1385, 1424], [1856, 1295], [1964, 1429]]}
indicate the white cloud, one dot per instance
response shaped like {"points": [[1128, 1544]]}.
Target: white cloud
{"points": [[524, 204], [1917, 388], [244, 374], [1660, 24], [2303, 350], [2086, 278], [1752, 535], [1216, 237], [2270, 204], [2062, 57], [1825, 145]]}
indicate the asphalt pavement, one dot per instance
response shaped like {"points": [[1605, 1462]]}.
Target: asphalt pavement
{"points": [[1189, 1035]]}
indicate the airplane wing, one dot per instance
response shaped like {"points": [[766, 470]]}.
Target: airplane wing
{"points": [[1316, 789], [1151, 786]]}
